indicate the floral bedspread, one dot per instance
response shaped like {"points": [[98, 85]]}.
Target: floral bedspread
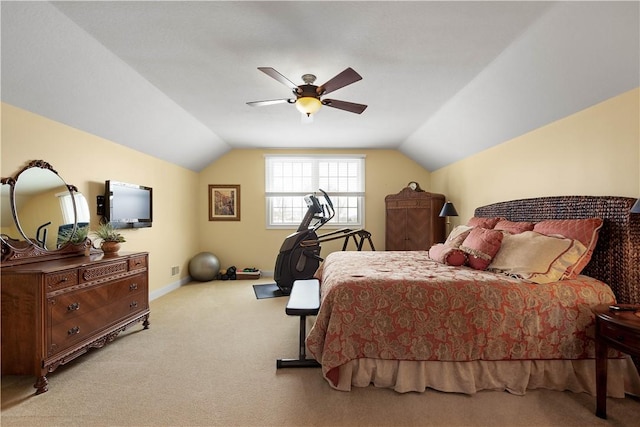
{"points": [[404, 306]]}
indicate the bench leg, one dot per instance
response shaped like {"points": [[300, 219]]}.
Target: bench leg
{"points": [[301, 361]]}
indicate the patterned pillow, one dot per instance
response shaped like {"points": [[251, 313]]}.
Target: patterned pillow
{"points": [[448, 255], [513, 227], [536, 257], [457, 235], [477, 221], [481, 245], [584, 230]]}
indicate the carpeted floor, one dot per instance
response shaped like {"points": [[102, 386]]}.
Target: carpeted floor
{"points": [[209, 359]]}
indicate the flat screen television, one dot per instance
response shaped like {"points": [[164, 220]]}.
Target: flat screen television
{"points": [[128, 205]]}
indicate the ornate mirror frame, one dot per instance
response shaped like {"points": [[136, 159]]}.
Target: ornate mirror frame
{"points": [[22, 249]]}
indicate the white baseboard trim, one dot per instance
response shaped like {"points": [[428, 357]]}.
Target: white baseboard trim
{"points": [[169, 288]]}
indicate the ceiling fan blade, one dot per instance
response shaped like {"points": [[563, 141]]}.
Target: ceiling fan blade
{"points": [[279, 77], [352, 107], [269, 102], [343, 79]]}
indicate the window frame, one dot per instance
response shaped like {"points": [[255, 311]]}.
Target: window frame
{"points": [[343, 201]]}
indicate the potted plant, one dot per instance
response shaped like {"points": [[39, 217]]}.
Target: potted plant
{"points": [[76, 238], [110, 239]]}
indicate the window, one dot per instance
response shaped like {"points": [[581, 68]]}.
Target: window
{"points": [[66, 204], [289, 178]]}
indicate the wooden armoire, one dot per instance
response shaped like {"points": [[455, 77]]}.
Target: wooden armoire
{"points": [[413, 221]]}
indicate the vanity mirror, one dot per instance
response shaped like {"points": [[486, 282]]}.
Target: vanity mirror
{"points": [[39, 216]]}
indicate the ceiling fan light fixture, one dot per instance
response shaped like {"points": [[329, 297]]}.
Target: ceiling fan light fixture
{"points": [[308, 105]]}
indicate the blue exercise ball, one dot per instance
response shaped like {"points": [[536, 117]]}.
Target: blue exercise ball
{"points": [[204, 267]]}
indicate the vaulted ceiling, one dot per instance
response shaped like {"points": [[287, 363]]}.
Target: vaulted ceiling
{"points": [[442, 80]]}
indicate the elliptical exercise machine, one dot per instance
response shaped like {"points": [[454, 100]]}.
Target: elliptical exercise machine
{"points": [[299, 255]]}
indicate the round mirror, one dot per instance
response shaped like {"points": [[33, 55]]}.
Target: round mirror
{"points": [[41, 216], [38, 210]]}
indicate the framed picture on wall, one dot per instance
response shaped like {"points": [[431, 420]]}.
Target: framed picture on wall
{"points": [[224, 203]]}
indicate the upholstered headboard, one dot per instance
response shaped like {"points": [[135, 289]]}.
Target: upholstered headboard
{"points": [[616, 258]]}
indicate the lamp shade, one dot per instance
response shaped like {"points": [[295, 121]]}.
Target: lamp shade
{"points": [[636, 208], [308, 105], [448, 210]]}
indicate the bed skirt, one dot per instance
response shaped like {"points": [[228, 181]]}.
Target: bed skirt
{"points": [[470, 377]]}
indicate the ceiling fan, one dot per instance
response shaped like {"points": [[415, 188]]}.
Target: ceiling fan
{"points": [[307, 95]]}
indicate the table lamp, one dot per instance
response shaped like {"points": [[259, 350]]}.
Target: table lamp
{"points": [[447, 211]]}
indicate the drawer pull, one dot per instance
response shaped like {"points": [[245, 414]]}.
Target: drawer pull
{"points": [[133, 287], [133, 304], [620, 338], [73, 331], [73, 307]]}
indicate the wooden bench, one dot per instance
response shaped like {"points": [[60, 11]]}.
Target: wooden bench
{"points": [[304, 301]]}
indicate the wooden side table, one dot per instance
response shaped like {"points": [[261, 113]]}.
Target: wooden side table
{"points": [[619, 330]]}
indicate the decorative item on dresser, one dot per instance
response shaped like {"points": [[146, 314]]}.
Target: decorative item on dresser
{"points": [[413, 221], [59, 303], [109, 237]]}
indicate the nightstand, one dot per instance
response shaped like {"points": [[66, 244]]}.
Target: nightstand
{"points": [[619, 330]]}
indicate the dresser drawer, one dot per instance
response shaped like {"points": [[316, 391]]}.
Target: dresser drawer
{"points": [[621, 337], [89, 274], [61, 280], [137, 263], [72, 331], [74, 304]]}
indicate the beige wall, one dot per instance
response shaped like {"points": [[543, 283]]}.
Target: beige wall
{"points": [[86, 161], [249, 244], [181, 227], [593, 152]]}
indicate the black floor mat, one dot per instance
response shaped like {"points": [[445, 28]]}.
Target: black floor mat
{"points": [[269, 290]]}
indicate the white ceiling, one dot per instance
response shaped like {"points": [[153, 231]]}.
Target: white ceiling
{"points": [[442, 80]]}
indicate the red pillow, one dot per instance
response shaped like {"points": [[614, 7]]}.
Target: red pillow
{"points": [[513, 227], [481, 245], [585, 230], [477, 221]]}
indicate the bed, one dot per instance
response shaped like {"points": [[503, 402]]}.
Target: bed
{"points": [[405, 321]]}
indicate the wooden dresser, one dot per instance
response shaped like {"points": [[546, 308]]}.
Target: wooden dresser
{"points": [[413, 221], [54, 311]]}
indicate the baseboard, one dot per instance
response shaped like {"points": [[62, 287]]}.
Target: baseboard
{"points": [[175, 285], [169, 288]]}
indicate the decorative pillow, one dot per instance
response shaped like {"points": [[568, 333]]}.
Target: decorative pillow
{"points": [[448, 255], [584, 230], [481, 245], [536, 257], [457, 235], [513, 227], [477, 221]]}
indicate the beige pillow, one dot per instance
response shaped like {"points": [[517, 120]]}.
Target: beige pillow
{"points": [[457, 235], [536, 257]]}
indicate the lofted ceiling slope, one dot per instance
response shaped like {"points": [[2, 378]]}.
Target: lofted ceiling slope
{"points": [[442, 80]]}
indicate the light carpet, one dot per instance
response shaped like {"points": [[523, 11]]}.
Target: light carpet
{"points": [[209, 359]]}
